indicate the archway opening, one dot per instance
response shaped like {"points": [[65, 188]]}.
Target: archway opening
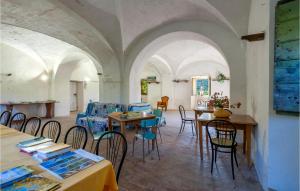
{"points": [[76, 83], [179, 62]]}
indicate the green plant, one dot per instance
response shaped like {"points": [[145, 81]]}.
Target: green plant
{"points": [[221, 77]]}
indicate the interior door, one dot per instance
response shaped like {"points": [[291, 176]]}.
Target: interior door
{"points": [[73, 96]]}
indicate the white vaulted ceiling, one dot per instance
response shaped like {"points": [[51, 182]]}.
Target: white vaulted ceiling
{"points": [[98, 26]]}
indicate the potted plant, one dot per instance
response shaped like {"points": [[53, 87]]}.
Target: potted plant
{"points": [[218, 102]]}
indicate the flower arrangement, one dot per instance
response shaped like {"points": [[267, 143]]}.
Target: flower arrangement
{"points": [[218, 101]]}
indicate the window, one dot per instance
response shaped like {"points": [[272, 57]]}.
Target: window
{"points": [[201, 85]]}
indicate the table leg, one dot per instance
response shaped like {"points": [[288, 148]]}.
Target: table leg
{"points": [[200, 139], [123, 125], [196, 124], [244, 141], [248, 145], [49, 110], [110, 124]]}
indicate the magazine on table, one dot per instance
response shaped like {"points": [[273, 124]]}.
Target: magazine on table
{"points": [[35, 148], [34, 182], [67, 164], [13, 175], [34, 141]]}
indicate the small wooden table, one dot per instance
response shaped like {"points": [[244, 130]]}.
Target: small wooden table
{"points": [[50, 104], [198, 111], [98, 177], [130, 120], [241, 122]]}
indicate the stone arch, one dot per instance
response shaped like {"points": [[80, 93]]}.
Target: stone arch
{"points": [[224, 40]]}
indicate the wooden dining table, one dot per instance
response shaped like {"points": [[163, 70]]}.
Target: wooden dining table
{"points": [[241, 122], [98, 177], [135, 120]]}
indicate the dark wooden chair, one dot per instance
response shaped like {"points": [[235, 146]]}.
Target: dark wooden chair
{"points": [[78, 136], [185, 120], [222, 136], [163, 104], [17, 121], [52, 130], [32, 126], [113, 146], [5, 117]]}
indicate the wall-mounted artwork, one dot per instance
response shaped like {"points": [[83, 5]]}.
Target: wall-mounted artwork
{"points": [[201, 85], [286, 63], [144, 87]]}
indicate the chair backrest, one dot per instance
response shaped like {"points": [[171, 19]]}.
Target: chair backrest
{"points": [[78, 136], [113, 146], [51, 129], [5, 117], [157, 112], [182, 111], [223, 130], [165, 99], [149, 123], [32, 126], [17, 121]]}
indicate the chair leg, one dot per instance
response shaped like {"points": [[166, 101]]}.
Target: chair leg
{"points": [[183, 126], [143, 150], [159, 134], [157, 149], [192, 124], [235, 158], [133, 143], [232, 166], [216, 151], [180, 127], [148, 147], [212, 159]]}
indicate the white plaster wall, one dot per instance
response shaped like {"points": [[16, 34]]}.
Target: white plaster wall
{"points": [[19, 86]]}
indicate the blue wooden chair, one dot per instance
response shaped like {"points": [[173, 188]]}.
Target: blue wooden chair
{"points": [[159, 117], [146, 134]]}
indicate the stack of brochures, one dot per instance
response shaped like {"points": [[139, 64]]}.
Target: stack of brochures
{"points": [[33, 142], [51, 151], [69, 163], [21, 179]]}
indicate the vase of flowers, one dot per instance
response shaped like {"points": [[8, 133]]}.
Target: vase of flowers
{"points": [[218, 102]]}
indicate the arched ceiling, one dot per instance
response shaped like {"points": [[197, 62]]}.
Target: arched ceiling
{"points": [[48, 50], [105, 27]]}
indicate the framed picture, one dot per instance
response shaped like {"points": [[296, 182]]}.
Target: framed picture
{"points": [[144, 87], [201, 85]]}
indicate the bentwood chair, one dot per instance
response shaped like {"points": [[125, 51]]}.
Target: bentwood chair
{"points": [[113, 146], [146, 134], [163, 104], [32, 126], [17, 121], [5, 117], [77, 137], [51, 129], [185, 120], [222, 136]]}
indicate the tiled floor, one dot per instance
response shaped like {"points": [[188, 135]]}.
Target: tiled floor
{"points": [[180, 167]]}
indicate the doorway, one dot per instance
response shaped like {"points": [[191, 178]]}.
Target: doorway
{"points": [[76, 96]]}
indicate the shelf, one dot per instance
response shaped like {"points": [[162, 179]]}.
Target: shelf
{"points": [[254, 37]]}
